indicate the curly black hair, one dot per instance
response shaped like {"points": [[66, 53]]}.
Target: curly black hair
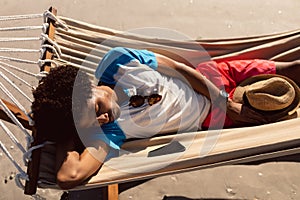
{"points": [[54, 100]]}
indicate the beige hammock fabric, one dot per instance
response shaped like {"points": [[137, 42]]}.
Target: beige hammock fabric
{"points": [[83, 45], [231, 146]]}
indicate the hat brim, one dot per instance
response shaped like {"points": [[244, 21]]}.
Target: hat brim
{"points": [[238, 96]]}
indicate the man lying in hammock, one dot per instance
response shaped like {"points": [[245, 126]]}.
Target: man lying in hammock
{"points": [[141, 94]]}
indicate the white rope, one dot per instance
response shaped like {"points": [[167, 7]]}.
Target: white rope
{"points": [[19, 17], [18, 69], [43, 62], [16, 121], [17, 103], [86, 69], [46, 38], [86, 65], [41, 75], [27, 155], [58, 22], [22, 174], [15, 87], [26, 158], [45, 27], [21, 28], [15, 76], [19, 50], [12, 137], [45, 46], [11, 96], [31, 122], [17, 60], [4, 149], [19, 39]]}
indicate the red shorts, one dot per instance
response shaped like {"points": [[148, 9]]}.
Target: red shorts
{"points": [[228, 75]]}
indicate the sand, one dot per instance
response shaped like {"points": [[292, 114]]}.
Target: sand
{"points": [[193, 19]]}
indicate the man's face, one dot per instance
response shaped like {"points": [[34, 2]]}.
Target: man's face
{"points": [[102, 108]]}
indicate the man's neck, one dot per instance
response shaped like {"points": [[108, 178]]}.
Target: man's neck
{"points": [[122, 96]]}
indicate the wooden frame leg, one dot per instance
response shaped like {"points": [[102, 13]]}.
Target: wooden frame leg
{"points": [[111, 192]]}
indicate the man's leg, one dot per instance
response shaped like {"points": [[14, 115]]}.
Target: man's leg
{"points": [[289, 69]]}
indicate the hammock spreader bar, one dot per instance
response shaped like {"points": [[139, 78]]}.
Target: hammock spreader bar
{"points": [[33, 165]]}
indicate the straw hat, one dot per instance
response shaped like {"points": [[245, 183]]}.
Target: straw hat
{"points": [[273, 95]]}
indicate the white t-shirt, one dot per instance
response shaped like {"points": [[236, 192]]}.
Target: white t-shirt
{"points": [[181, 109]]}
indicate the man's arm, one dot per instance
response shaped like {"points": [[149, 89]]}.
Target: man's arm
{"points": [[240, 114], [74, 168], [197, 81]]}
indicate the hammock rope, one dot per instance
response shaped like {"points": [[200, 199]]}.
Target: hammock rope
{"points": [[29, 138], [44, 48], [16, 88], [22, 174], [27, 155], [41, 75], [22, 28], [46, 44], [11, 96], [18, 50], [20, 17], [42, 62], [46, 38], [19, 39], [18, 60], [17, 69], [15, 141], [59, 23], [15, 76], [12, 137]]}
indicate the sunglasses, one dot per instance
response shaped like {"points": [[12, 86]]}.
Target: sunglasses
{"points": [[139, 100]]}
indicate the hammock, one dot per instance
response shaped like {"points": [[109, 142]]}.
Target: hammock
{"points": [[68, 41]]}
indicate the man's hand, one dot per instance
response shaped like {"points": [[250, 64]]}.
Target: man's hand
{"points": [[242, 115]]}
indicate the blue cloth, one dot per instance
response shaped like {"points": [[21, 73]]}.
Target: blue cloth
{"points": [[114, 134], [118, 56], [109, 133], [107, 68]]}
